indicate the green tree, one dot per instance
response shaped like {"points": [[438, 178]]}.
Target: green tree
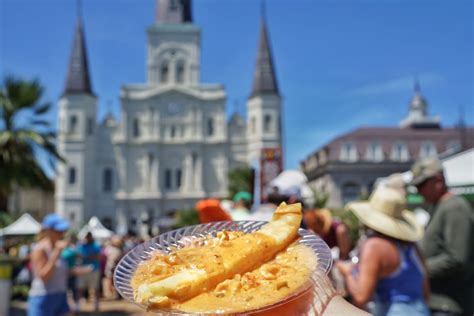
{"points": [[186, 217], [240, 179], [24, 133]]}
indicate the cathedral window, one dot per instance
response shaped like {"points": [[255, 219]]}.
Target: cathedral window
{"points": [[173, 131], [164, 72], [136, 127], [267, 123], [90, 126], [210, 126], [180, 71], [167, 179], [151, 161], [72, 124], [178, 178], [72, 175], [107, 179]]}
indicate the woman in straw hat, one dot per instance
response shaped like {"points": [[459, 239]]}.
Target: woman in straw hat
{"points": [[390, 270]]}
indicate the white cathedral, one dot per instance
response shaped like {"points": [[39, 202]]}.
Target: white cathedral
{"points": [[173, 144]]}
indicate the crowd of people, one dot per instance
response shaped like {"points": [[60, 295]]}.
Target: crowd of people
{"points": [[398, 267], [57, 265], [405, 268]]}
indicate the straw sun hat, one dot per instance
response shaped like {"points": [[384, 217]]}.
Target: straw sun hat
{"points": [[385, 213]]}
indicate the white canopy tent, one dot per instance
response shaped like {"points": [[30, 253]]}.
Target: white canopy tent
{"points": [[98, 230], [25, 225], [293, 182], [459, 172]]}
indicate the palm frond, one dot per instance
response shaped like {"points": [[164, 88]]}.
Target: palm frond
{"points": [[22, 94], [42, 109], [20, 144]]}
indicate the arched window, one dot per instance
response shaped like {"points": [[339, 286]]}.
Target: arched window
{"points": [[173, 131], [350, 192], [90, 126], [180, 71], [72, 175], [427, 149], [136, 127], [267, 123], [167, 179], [107, 179], [210, 126], [164, 72], [348, 152], [178, 178], [400, 152], [374, 152], [72, 124]]}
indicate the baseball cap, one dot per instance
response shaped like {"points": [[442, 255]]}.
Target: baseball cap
{"points": [[242, 195], [424, 169], [55, 222]]}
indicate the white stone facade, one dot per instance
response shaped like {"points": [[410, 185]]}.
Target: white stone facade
{"points": [[172, 146]]}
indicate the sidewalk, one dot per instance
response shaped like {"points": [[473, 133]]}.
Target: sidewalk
{"points": [[107, 307]]}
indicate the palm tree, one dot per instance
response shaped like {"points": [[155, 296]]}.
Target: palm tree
{"points": [[24, 133]]}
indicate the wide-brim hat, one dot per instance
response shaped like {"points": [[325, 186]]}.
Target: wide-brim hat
{"points": [[385, 213]]}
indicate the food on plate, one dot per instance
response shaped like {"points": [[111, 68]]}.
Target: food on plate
{"points": [[230, 272]]}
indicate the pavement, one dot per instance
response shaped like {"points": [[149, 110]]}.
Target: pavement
{"points": [[106, 307]]}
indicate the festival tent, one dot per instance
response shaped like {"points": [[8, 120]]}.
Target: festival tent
{"points": [[25, 225], [292, 182], [459, 173], [97, 229]]}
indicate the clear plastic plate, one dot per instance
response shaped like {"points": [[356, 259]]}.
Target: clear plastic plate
{"points": [[182, 237]]}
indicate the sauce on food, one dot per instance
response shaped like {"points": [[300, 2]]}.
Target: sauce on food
{"points": [[273, 280]]}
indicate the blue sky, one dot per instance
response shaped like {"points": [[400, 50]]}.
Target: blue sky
{"points": [[340, 64]]}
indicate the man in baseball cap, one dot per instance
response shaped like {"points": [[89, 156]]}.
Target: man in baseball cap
{"points": [[424, 169], [448, 244]]}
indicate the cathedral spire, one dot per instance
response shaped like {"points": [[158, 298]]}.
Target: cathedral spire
{"points": [[264, 78], [416, 86], [174, 11], [78, 78]]}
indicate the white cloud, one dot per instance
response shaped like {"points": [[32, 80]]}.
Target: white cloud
{"points": [[397, 84]]}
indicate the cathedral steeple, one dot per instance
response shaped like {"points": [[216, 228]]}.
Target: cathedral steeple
{"points": [[78, 78], [264, 78], [174, 11]]}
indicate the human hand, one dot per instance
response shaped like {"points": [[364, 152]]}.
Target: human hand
{"points": [[344, 267], [60, 245]]}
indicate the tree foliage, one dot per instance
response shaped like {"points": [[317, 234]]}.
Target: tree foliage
{"points": [[240, 179], [25, 132], [186, 217]]}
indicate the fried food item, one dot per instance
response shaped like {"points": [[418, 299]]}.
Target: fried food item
{"points": [[170, 279], [285, 276]]}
